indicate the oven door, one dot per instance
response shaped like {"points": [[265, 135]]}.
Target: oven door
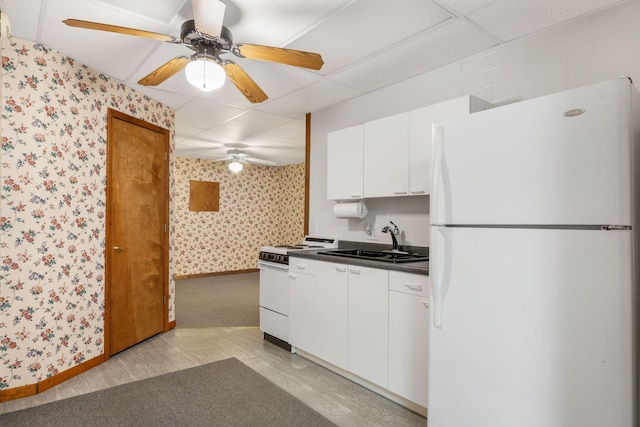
{"points": [[274, 299]]}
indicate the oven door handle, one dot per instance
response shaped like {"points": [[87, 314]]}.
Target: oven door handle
{"points": [[262, 265]]}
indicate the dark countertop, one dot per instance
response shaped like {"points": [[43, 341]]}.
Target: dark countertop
{"points": [[417, 267]]}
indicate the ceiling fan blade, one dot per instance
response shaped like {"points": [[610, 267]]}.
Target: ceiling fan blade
{"points": [[259, 161], [165, 71], [244, 83], [120, 30], [296, 58], [208, 16]]}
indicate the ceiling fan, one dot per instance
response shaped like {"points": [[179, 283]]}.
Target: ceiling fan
{"points": [[238, 157], [209, 39]]}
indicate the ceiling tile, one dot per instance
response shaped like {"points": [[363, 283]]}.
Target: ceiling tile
{"points": [[195, 144], [368, 27], [510, 19], [199, 114], [171, 99], [276, 22], [160, 10], [447, 43], [291, 132], [23, 17], [222, 135], [464, 6], [98, 48], [311, 98], [186, 132], [250, 123]]}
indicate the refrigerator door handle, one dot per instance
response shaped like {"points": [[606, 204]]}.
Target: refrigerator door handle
{"points": [[436, 171], [437, 269]]}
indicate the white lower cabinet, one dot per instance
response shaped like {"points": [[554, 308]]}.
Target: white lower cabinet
{"points": [[302, 303], [370, 322], [331, 313], [368, 318], [409, 336]]}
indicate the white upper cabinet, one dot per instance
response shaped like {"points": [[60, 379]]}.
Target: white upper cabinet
{"points": [[344, 164], [390, 156], [386, 156], [420, 145]]}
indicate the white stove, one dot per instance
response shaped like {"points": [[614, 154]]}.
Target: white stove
{"points": [[279, 254], [274, 286]]}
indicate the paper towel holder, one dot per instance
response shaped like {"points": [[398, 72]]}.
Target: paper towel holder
{"points": [[351, 209]]}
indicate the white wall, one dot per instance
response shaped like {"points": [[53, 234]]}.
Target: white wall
{"points": [[599, 47]]}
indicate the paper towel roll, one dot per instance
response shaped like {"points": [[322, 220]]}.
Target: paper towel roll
{"points": [[350, 210]]}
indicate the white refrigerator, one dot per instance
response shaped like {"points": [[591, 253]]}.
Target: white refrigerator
{"points": [[532, 262]]}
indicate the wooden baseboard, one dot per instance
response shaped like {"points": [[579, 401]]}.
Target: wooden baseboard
{"points": [[31, 389], [218, 273], [18, 392], [171, 325]]}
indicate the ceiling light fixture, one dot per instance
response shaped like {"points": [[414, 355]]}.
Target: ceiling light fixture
{"points": [[205, 74], [235, 166]]}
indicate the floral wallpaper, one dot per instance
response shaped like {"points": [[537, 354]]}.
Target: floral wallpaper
{"points": [[259, 206], [52, 208]]}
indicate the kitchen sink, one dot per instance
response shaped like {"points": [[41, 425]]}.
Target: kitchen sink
{"points": [[385, 256]]}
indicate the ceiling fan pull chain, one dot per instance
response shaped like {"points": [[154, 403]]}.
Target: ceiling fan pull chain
{"points": [[204, 69]]}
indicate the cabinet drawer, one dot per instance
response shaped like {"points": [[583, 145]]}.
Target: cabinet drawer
{"points": [[414, 284], [302, 266]]}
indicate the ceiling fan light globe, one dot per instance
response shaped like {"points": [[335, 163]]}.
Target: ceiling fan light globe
{"points": [[235, 167], [205, 75]]}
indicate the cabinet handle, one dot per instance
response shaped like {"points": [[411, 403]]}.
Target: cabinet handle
{"points": [[399, 193], [419, 192], [425, 302], [301, 266], [356, 197], [341, 269], [292, 276], [355, 271], [413, 287]]}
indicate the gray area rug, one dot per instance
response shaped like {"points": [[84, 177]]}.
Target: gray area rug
{"points": [[217, 301], [224, 393]]}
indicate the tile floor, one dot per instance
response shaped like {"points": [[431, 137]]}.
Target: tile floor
{"points": [[342, 401]]}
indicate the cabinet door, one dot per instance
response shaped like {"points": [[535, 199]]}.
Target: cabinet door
{"points": [[386, 156], [344, 163], [302, 300], [409, 346], [331, 313], [420, 136], [420, 151], [368, 324]]}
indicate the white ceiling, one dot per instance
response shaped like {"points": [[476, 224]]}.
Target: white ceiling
{"points": [[365, 44]]}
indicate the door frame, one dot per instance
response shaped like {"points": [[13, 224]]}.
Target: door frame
{"points": [[111, 169]]}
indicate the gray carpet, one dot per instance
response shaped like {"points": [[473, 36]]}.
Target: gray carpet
{"points": [[226, 300], [224, 393]]}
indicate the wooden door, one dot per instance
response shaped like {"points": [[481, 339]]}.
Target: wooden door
{"points": [[137, 236]]}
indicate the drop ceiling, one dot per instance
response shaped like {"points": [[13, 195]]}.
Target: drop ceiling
{"points": [[365, 44]]}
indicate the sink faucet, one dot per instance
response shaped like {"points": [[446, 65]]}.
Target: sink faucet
{"points": [[392, 231]]}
